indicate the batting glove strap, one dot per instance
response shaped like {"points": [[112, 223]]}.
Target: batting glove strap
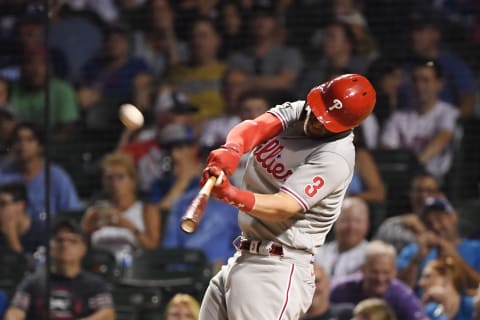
{"points": [[232, 146], [242, 199]]}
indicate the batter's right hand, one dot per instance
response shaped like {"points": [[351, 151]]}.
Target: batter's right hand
{"points": [[226, 158]]}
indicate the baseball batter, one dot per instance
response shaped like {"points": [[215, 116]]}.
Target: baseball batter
{"points": [[301, 163]]}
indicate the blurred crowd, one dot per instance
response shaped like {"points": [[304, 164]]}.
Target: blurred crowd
{"points": [[407, 244]]}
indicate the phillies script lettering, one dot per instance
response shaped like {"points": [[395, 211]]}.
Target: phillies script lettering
{"points": [[267, 154]]}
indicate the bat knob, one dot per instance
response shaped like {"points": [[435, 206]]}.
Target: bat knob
{"points": [[188, 225]]}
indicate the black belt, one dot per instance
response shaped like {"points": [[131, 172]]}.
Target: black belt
{"points": [[261, 247]]}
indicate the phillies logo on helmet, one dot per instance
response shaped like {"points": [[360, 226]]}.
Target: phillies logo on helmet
{"points": [[337, 104]]}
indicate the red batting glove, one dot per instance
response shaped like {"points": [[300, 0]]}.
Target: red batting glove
{"points": [[226, 158], [226, 192]]}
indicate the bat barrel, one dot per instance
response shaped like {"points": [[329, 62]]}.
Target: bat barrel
{"points": [[194, 213]]}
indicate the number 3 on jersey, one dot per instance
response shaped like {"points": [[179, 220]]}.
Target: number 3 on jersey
{"points": [[312, 189]]}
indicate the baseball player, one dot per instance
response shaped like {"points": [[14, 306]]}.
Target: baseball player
{"points": [[301, 163]]}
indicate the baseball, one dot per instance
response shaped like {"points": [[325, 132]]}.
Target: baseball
{"points": [[130, 116]]}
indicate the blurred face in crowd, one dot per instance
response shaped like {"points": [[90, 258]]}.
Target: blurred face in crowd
{"points": [[35, 71], [231, 19], [392, 81], [253, 107], [179, 311], [427, 85], [430, 278], [425, 39], [343, 7], [3, 92], [67, 247], [9, 206], [205, 41], [264, 26], [117, 46], [335, 41], [422, 188], [184, 152], [378, 273], [117, 181], [443, 224], [26, 145], [161, 13], [234, 84], [352, 226], [31, 35]]}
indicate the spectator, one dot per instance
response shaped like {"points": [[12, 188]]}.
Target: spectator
{"points": [[184, 175], [440, 239], [152, 161], [345, 255], [427, 129], [232, 29], [111, 79], [321, 308], [403, 230], [121, 222], [234, 84], [214, 235], [73, 293], [28, 167], [445, 293], [386, 77], [373, 309], [272, 65], [377, 280], [182, 307], [458, 86], [476, 303], [7, 118], [15, 223], [200, 78], [3, 303], [338, 43], [158, 45], [28, 96]]}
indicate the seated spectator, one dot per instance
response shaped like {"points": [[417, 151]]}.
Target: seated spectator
{"points": [[182, 306], [271, 64], [345, 255], [445, 293], [28, 96], [458, 86], [120, 222], [337, 57], [28, 166], [321, 308], [403, 230], [377, 280], [151, 160], [15, 223], [3, 303], [111, 79], [440, 239], [180, 143], [214, 235], [7, 118], [427, 129], [158, 45], [73, 293], [232, 28], [200, 78], [476, 303], [373, 309]]}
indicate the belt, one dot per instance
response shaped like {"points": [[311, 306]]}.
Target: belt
{"points": [[267, 248]]}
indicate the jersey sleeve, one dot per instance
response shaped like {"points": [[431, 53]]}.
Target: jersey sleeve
{"points": [[449, 119], [316, 178], [288, 113], [100, 296]]}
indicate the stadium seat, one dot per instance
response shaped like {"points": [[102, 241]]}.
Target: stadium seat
{"points": [[101, 262]]}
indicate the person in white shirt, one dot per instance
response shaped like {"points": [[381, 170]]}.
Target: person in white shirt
{"points": [[345, 254], [427, 130]]}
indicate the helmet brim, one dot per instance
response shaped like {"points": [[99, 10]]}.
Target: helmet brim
{"points": [[321, 112]]}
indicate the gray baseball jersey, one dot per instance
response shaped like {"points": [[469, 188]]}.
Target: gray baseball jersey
{"points": [[315, 173]]}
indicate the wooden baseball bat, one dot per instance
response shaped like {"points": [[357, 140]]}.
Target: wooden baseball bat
{"points": [[195, 211]]}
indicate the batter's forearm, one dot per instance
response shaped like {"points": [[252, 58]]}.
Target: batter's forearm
{"points": [[251, 133], [274, 207]]}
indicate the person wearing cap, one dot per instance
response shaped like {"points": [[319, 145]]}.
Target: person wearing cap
{"points": [[271, 64], [73, 292], [297, 175], [440, 239]]}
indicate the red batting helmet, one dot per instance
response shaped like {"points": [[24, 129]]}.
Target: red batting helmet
{"points": [[343, 102]]}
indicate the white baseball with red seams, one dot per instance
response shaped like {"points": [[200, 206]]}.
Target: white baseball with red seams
{"points": [[314, 172]]}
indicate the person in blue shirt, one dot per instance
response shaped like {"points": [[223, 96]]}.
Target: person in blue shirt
{"points": [[215, 234], [445, 291], [440, 239], [28, 166]]}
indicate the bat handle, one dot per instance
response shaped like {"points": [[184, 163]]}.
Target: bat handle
{"points": [[195, 211]]}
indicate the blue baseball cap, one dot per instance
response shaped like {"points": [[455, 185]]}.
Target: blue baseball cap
{"points": [[436, 204]]}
